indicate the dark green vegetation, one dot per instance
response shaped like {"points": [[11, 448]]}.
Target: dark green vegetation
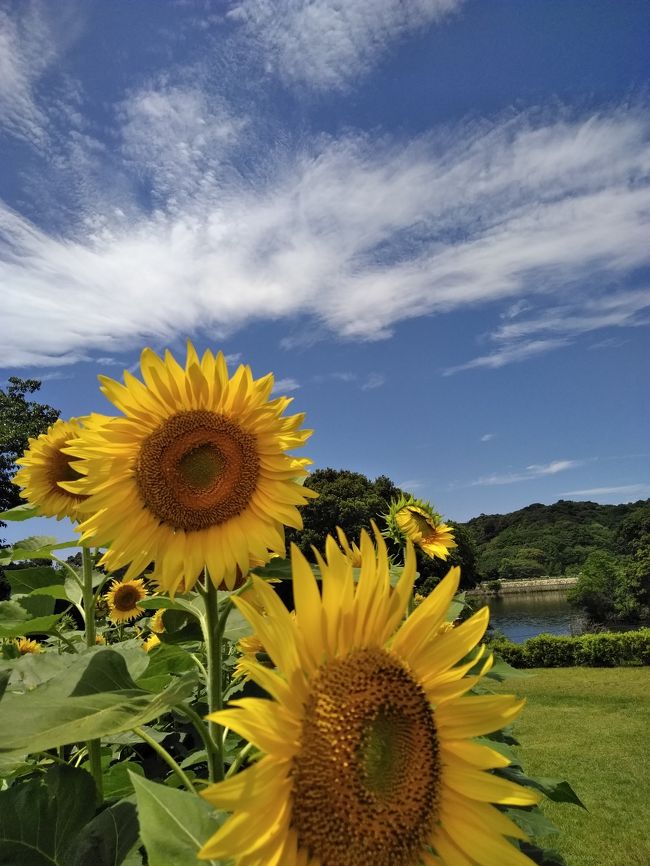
{"points": [[606, 649], [591, 726], [351, 501]]}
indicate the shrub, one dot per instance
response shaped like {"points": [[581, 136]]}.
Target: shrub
{"points": [[608, 649]]}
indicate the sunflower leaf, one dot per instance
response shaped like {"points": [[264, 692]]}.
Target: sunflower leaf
{"points": [[174, 824], [25, 580], [94, 696], [15, 621], [107, 839], [558, 790], [20, 512]]}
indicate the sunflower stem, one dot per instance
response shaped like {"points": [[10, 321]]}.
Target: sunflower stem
{"points": [[213, 638], [167, 758], [201, 729], [94, 746]]}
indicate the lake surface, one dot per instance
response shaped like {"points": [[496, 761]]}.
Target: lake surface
{"points": [[522, 616]]}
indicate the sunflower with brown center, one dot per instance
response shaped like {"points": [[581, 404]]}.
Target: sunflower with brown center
{"points": [[123, 598], [45, 467], [367, 740], [195, 474], [415, 520]]}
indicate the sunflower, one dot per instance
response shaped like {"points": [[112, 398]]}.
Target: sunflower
{"points": [[415, 520], [27, 646], [367, 745], [157, 624], [195, 474], [350, 549], [150, 643], [123, 598], [45, 466]]}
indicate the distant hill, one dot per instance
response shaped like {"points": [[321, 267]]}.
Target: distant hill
{"points": [[547, 539]]}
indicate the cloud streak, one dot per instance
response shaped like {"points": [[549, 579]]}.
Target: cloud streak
{"points": [[529, 473], [327, 44], [355, 234]]}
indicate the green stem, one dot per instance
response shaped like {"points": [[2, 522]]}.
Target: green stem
{"points": [[210, 747], [167, 758], [94, 746], [213, 633], [239, 760]]}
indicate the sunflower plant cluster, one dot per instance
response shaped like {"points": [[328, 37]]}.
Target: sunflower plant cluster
{"points": [[162, 705]]}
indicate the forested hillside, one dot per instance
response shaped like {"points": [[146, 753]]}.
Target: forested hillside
{"points": [[549, 539]]}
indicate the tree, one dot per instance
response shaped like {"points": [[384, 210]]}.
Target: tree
{"points": [[600, 587], [346, 499]]}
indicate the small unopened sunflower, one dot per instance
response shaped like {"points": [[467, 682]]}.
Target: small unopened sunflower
{"points": [[27, 646], [415, 520], [367, 740], [44, 466], [194, 474], [123, 598], [157, 623]]}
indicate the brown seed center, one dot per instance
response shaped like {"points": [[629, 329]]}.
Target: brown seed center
{"points": [[61, 470], [366, 779], [126, 598], [197, 469]]}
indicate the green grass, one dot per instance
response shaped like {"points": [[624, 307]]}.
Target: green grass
{"points": [[591, 726]]}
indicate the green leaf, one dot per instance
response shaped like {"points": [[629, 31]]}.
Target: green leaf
{"points": [[543, 856], [15, 621], [35, 547], [174, 825], [107, 839], [39, 821], [25, 580], [116, 780], [501, 671], [56, 591], [20, 512], [558, 790], [164, 661], [532, 821], [190, 604], [38, 605], [94, 696], [237, 626], [457, 606]]}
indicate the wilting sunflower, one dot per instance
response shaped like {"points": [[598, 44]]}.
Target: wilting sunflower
{"points": [[27, 646], [44, 466], [157, 623], [367, 745], [123, 598], [195, 474], [415, 520]]}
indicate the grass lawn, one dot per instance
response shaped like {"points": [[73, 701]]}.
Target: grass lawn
{"points": [[592, 727]]}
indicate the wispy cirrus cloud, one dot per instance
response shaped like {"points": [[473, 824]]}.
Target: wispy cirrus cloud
{"points": [[286, 384], [487, 437], [639, 489], [526, 207], [527, 474], [326, 44]]}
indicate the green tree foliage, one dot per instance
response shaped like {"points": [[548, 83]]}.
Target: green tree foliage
{"points": [[20, 419], [598, 586], [550, 539], [346, 499]]}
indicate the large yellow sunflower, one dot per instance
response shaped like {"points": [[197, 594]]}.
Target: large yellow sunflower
{"points": [[415, 520], [195, 474], [367, 739], [45, 466]]}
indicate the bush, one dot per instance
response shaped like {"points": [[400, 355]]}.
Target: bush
{"points": [[608, 649]]}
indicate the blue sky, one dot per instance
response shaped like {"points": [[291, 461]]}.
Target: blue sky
{"points": [[429, 219]]}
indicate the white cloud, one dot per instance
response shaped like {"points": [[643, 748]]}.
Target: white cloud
{"points": [[605, 491], [373, 380], [508, 355], [287, 384], [328, 43], [410, 484], [486, 437], [354, 235], [31, 39], [529, 473]]}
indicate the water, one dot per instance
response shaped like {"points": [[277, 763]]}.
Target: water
{"points": [[522, 616]]}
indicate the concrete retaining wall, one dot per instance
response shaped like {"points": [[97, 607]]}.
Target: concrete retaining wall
{"points": [[512, 587]]}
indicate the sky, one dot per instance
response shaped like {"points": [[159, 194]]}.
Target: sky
{"points": [[428, 219]]}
